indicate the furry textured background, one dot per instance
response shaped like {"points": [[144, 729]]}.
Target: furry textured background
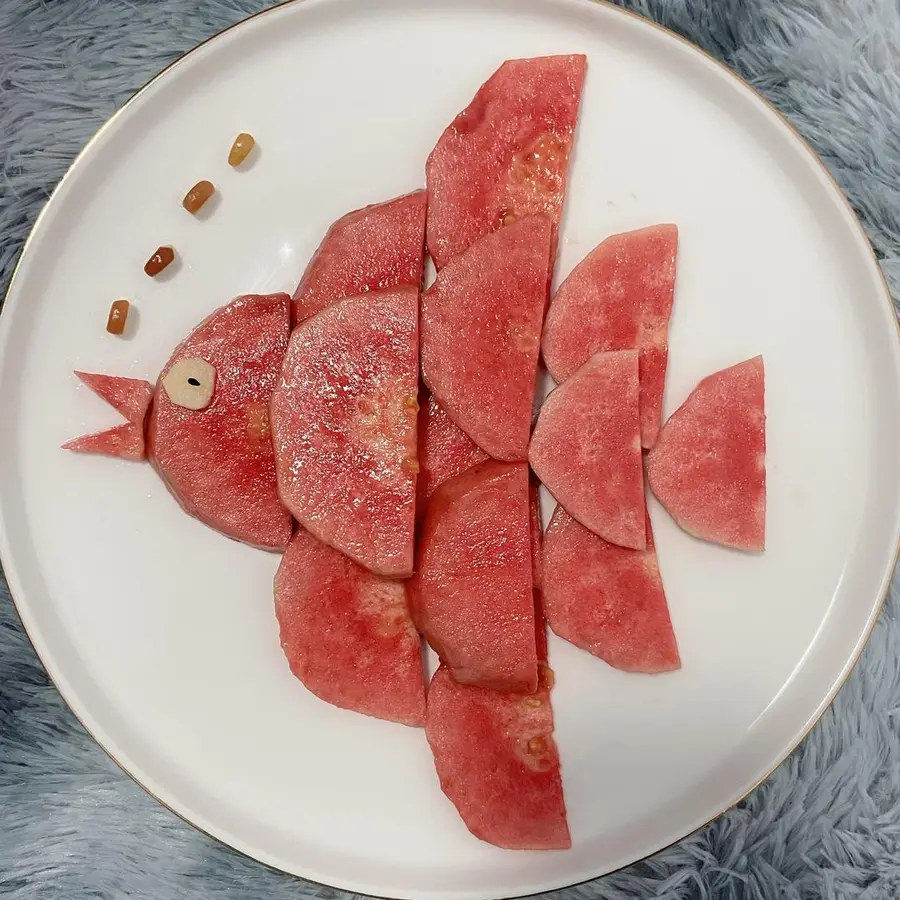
{"points": [[826, 825]]}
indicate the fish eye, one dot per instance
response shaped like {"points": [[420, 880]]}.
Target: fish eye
{"points": [[190, 383]]}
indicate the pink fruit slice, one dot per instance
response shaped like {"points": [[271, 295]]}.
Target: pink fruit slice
{"points": [[506, 156], [481, 330], [586, 448], [218, 461], [607, 599], [347, 633], [130, 397], [471, 595], [619, 297], [344, 427], [708, 468], [373, 248], [498, 764], [445, 450], [125, 441]]}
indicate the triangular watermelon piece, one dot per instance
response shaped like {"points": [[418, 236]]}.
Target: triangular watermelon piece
{"points": [[129, 396], [481, 331], [124, 441], [471, 596], [373, 248], [506, 156], [607, 599], [497, 763], [586, 448], [347, 633], [218, 461], [619, 297], [445, 450], [344, 427], [708, 468]]}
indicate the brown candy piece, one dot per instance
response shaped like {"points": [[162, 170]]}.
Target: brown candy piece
{"points": [[241, 148], [162, 258], [118, 315], [198, 195]]}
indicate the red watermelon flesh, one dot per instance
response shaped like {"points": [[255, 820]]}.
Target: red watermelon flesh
{"points": [[218, 462], [445, 450], [373, 248], [347, 633], [607, 599], [708, 468], [481, 331], [537, 574], [471, 596], [586, 448], [498, 763], [125, 441], [130, 397], [619, 297], [506, 156], [344, 427]]}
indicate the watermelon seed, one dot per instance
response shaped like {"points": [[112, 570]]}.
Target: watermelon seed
{"points": [[194, 382]]}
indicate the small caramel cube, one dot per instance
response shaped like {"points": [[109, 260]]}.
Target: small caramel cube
{"points": [[162, 258], [198, 195], [241, 148], [118, 315]]}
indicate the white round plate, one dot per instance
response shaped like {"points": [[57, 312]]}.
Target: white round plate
{"points": [[160, 633]]}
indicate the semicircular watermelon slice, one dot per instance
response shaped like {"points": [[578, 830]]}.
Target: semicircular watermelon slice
{"points": [[606, 599], [586, 448], [373, 248], [218, 461], [471, 596], [708, 468], [619, 297], [344, 427], [481, 333], [506, 156], [347, 633], [498, 763]]}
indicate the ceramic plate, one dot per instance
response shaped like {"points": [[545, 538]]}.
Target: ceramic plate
{"points": [[160, 633]]}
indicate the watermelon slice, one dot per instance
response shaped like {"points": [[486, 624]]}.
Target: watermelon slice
{"points": [[537, 533], [125, 441], [481, 331], [471, 595], [444, 450], [708, 468], [376, 247], [497, 763], [347, 633], [218, 461], [130, 397], [506, 156], [607, 599], [619, 297], [344, 427], [586, 448]]}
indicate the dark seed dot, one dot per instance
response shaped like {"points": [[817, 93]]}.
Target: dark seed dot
{"points": [[194, 382]]}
